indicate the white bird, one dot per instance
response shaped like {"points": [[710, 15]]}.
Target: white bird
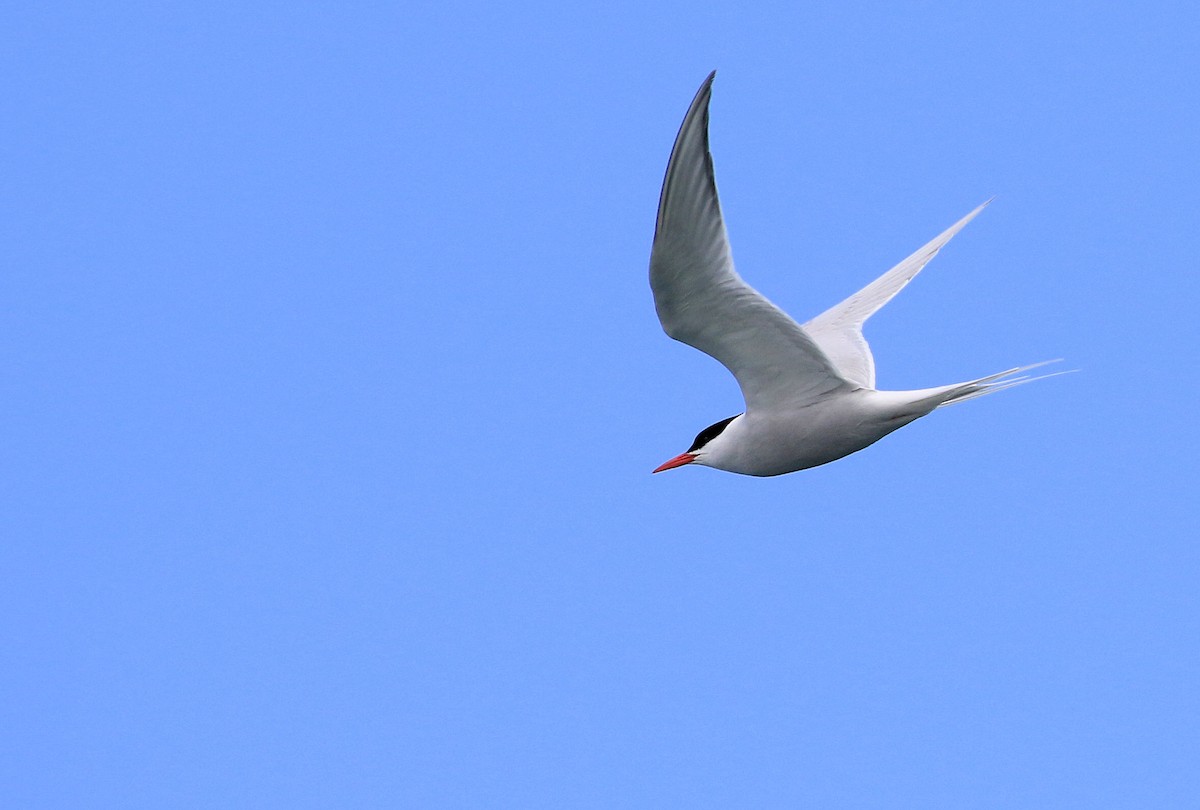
{"points": [[809, 390]]}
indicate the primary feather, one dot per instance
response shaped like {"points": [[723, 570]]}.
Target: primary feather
{"points": [[703, 302]]}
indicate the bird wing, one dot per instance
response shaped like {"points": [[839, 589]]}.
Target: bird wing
{"points": [[703, 302], [838, 330]]}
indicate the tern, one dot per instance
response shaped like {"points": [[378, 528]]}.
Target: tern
{"points": [[809, 390]]}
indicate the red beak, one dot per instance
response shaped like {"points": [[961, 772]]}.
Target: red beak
{"points": [[678, 461]]}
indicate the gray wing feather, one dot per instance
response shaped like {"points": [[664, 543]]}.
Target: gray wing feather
{"points": [[838, 330], [703, 302]]}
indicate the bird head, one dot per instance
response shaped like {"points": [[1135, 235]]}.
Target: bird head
{"points": [[700, 449]]}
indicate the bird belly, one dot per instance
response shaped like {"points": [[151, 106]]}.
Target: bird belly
{"points": [[814, 435]]}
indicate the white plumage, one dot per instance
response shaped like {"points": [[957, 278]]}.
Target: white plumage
{"points": [[809, 390]]}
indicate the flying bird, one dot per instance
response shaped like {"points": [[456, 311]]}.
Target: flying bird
{"points": [[809, 390]]}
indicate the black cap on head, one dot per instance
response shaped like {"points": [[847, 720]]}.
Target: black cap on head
{"points": [[709, 433]]}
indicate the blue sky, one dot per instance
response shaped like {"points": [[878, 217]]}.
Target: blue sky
{"points": [[333, 384]]}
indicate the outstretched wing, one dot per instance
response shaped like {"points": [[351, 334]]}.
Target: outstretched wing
{"points": [[838, 330], [703, 302]]}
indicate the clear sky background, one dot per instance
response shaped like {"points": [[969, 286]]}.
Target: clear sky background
{"points": [[332, 385]]}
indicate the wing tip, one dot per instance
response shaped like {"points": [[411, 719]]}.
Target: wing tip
{"points": [[696, 118], [974, 212], [705, 89]]}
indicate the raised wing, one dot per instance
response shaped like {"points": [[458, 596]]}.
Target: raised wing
{"points": [[703, 302], [838, 330]]}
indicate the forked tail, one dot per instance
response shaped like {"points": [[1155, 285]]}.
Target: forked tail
{"points": [[961, 392]]}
